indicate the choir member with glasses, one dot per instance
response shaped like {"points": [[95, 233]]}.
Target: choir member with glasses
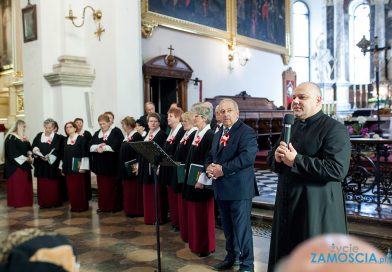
{"points": [[146, 176], [73, 166], [201, 221], [47, 150]]}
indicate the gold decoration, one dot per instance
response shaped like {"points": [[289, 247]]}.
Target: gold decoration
{"points": [[148, 28]]}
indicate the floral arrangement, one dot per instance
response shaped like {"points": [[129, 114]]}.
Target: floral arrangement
{"points": [[358, 128]]}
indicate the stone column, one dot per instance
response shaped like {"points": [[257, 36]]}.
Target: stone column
{"points": [[341, 37]]}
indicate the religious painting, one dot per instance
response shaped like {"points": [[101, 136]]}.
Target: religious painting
{"points": [[205, 17], [6, 57], [264, 24], [29, 14]]}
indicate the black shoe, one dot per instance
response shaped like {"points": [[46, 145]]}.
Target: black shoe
{"points": [[201, 255], [224, 265]]}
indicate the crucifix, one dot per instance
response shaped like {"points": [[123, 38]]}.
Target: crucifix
{"points": [[170, 59], [171, 49]]}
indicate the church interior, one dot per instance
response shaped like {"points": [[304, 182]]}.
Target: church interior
{"points": [[80, 58]]}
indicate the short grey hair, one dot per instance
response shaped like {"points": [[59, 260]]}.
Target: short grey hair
{"points": [[202, 110], [49, 121], [230, 101]]}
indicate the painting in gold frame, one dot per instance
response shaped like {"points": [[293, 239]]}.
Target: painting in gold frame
{"points": [[6, 41], [263, 24], [203, 17]]}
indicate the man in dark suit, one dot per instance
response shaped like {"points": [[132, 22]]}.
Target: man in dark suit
{"points": [[149, 107], [230, 164]]}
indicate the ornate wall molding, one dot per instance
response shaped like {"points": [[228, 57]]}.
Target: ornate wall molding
{"points": [[71, 71]]}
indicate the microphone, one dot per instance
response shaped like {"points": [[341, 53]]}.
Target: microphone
{"points": [[287, 122]]}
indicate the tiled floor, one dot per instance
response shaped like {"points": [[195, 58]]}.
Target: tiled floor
{"points": [[267, 183], [114, 242]]}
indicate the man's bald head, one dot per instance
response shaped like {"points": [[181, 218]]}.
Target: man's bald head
{"points": [[307, 100], [312, 87]]}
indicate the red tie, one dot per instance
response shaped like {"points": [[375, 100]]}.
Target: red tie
{"points": [[151, 137], [197, 140], [49, 141]]}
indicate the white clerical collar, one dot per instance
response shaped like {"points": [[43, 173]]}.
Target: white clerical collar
{"points": [[174, 132], [201, 133], [81, 133], [45, 139], [153, 134]]}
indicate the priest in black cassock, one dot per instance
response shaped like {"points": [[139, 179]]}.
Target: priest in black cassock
{"points": [[47, 149], [167, 174], [104, 148], [309, 199]]}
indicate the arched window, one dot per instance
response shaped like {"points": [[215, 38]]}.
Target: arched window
{"points": [[359, 26], [301, 41]]}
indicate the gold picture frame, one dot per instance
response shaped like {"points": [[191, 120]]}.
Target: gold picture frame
{"points": [[6, 39], [154, 13], [271, 30], [152, 17]]}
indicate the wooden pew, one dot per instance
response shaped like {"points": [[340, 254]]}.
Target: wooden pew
{"points": [[259, 113]]}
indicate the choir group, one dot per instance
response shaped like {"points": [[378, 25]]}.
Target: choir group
{"points": [[62, 166]]}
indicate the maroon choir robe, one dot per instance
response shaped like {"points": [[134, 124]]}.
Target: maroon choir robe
{"points": [[18, 174]]}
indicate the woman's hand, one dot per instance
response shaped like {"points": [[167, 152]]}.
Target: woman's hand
{"points": [[199, 185]]}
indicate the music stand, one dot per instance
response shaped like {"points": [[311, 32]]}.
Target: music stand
{"points": [[152, 152]]}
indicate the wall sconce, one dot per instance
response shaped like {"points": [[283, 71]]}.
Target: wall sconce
{"points": [[242, 57], [97, 15]]}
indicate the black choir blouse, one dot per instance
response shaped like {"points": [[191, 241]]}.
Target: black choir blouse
{"points": [[167, 174], [145, 171], [43, 169], [105, 163], [13, 148], [76, 150], [127, 153], [198, 155]]}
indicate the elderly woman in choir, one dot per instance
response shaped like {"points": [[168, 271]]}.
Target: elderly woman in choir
{"points": [[73, 166], [128, 162], [200, 200], [168, 175], [146, 175], [87, 135], [47, 149], [180, 156], [17, 168], [104, 148]]}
